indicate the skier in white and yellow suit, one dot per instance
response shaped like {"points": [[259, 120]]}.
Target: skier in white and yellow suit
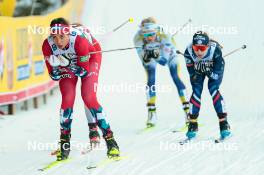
{"points": [[158, 47]]}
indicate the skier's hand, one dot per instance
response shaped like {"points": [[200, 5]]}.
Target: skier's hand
{"points": [[55, 74], [193, 78], [212, 75], [59, 60], [146, 57], [196, 77], [78, 71], [154, 53], [151, 50]]}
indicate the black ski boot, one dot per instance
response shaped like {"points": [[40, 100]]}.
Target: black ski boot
{"points": [[93, 133], [152, 116], [64, 147], [223, 125], [192, 127], [112, 147]]}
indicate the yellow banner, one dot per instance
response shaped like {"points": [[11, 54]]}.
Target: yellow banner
{"points": [[21, 61], [7, 7]]}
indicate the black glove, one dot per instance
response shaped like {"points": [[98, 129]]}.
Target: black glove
{"points": [[154, 53], [146, 57], [55, 74]]}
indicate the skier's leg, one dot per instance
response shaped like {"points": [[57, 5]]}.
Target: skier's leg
{"points": [[174, 68], [67, 89], [94, 109], [91, 84], [219, 105], [218, 101], [195, 100], [151, 94], [195, 103], [92, 124]]}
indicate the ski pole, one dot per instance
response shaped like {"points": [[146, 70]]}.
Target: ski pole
{"points": [[182, 27], [105, 36], [240, 48], [179, 52], [32, 7], [113, 50], [63, 61], [124, 23]]}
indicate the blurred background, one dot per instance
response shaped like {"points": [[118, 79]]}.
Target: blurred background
{"points": [[24, 82]]}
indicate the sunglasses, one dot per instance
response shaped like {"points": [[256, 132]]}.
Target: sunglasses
{"points": [[199, 47], [145, 35]]}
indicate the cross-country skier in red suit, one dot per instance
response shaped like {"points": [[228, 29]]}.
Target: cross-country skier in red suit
{"points": [[67, 56]]}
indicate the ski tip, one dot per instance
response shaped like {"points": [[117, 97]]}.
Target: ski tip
{"points": [[182, 142], [175, 131], [91, 167], [220, 140], [217, 141], [131, 19], [115, 158]]}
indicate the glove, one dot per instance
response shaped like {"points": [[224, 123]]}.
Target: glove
{"points": [[78, 71], [55, 74], [59, 60], [146, 57], [154, 53], [212, 75], [193, 78], [196, 77], [53, 60]]}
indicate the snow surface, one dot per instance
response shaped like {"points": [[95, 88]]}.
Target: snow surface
{"points": [[156, 152]]}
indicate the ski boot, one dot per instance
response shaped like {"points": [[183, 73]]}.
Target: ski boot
{"points": [[192, 127], [186, 110], [152, 117], [224, 126], [93, 133], [112, 147], [65, 146]]}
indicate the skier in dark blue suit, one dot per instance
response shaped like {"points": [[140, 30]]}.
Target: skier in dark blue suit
{"points": [[204, 59]]}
